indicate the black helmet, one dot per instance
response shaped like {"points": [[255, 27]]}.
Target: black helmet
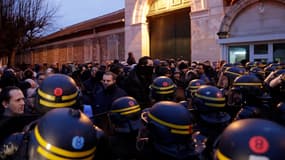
{"points": [[64, 133], [248, 65], [125, 114], [209, 98], [258, 72], [193, 87], [233, 72], [168, 123], [249, 86], [56, 91], [162, 88], [226, 65], [230, 73], [251, 139]]}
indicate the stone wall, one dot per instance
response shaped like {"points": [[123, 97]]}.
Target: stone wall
{"points": [[99, 49], [205, 23]]}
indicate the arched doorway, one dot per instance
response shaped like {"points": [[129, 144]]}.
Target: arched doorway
{"points": [[254, 30], [170, 35]]}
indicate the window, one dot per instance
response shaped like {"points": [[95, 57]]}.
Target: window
{"points": [[238, 53], [260, 49], [279, 52]]}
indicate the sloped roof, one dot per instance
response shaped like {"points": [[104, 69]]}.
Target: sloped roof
{"points": [[108, 19]]}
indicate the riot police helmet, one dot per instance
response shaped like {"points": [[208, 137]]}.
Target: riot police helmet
{"points": [[209, 98], [125, 114], [193, 87], [56, 91], [162, 88], [168, 123], [64, 133], [251, 139]]}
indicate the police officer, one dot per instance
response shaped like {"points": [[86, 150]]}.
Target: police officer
{"points": [[62, 133], [162, 88], [14, 118], [139, 79], [258, 72], [192, 89], [227, 77], [254, 100], [251, 139], [167, 133], [210, 115], [57, 91], [125, 122]]}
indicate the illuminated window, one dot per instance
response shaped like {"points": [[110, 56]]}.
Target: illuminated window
{"points": [[238, 53]]}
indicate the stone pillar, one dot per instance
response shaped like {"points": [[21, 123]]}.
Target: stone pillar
{"points": [[136, 28], [205, 23]]}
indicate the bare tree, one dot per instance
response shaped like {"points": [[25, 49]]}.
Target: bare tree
{"points": [[21, 22]]}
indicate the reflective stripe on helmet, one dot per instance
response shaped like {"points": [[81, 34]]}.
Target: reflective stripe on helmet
{"points": [[221, 156], [52, 98], [233, 73], [46, 96], [68, 97], [56, 105], [247, 84], [210, 98], [163, 88], [176, 129], [49, 155], [126, 111], [195, 87], [59, 151], [129, 112], [189, 131], [164, 92], [215, 104]]}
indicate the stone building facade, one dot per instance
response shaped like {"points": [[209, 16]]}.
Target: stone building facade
{"points": [[220, 29], [97, 40], [230, 30]]}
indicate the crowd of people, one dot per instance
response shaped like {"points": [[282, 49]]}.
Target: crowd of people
{"points": [[149, 109]]}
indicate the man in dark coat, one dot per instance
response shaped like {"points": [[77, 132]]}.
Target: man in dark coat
{"points": [[13, 119], [91, 84], [104, 97], [138, 81]]}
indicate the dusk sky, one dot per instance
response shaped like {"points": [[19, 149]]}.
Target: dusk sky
{"points": [[74, 11]]}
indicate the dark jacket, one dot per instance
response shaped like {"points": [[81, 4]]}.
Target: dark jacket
{"points": [[91, 84], [124, 146], [103, 98], [10, 125], [138, 87]]}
